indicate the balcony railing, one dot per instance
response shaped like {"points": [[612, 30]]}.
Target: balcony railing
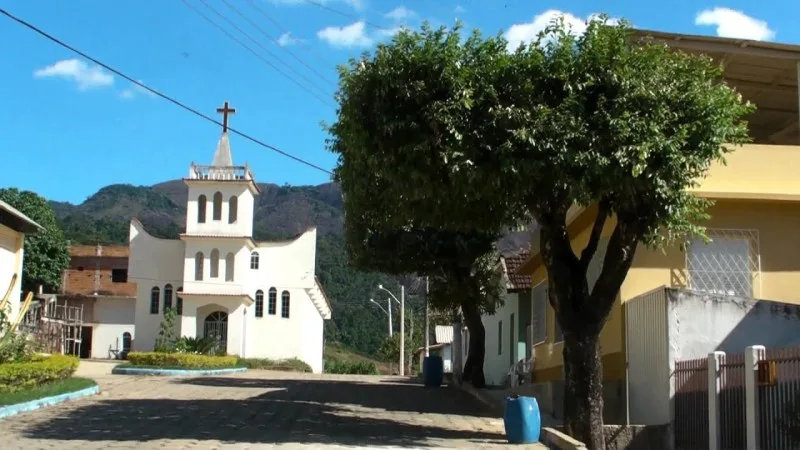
{"points": [[229, 173]]}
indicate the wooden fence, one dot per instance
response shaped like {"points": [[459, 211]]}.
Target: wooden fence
{"points": [[691, 404]]}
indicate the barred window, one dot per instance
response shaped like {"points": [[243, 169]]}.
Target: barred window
{"points": [[729, 264]]}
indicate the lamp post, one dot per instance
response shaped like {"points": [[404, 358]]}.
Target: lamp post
{"points": [[427, 320], [402, 302], [388, 312]]}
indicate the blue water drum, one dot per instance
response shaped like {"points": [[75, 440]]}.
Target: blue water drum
{"points": [[433, 370], [522, 419]]}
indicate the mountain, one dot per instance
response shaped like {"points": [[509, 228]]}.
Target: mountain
{"points": [[280, 212]]}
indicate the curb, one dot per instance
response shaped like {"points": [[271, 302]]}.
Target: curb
{"points": [[33, 405], [120, 370], [493, 405]]}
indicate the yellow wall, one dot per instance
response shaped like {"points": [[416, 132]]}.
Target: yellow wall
{"points": [[9, 265], [777, 223]]}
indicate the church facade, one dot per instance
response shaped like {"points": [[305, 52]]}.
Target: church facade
{"points": [[259, 299]]}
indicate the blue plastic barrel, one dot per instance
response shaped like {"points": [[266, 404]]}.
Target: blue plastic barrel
{"points": [[522, 420], [433, 370]]}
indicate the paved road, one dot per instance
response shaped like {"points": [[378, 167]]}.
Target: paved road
{"points": [[253, 410]]}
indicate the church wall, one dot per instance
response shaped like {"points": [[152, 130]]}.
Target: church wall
{"points": [[112, 316], [152, 262], [243, 226], [290, 262], [216, 285]]}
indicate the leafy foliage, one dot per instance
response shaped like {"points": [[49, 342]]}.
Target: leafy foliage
{"points": [[167, 338], [181, 360], [15, 346], [283, 365], [46, 253], [16, 376], [206, 345], [351, 367]]}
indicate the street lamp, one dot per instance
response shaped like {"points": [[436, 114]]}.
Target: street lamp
{"points": [[385, 311], [402, 303]]}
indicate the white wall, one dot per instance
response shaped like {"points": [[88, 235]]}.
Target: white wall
{"points": [[496, 365], [11, 255], [113, 316], [243, 226], [152, 262]]}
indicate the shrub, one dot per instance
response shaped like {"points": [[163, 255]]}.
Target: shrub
{"points": [[351, 367], [165, 341], [181, 360], [20, 375], [208, 345], [15, 346], [286, 365]]}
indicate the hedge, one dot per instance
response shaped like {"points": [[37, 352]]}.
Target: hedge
{"points": [[181, 360], [351, 367], [285, 365], [42, 370]]}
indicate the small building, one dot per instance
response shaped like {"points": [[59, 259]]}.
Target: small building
{"points": [[96, 281], [259, 299], [13, 227], [442, 346], [752, 253]]}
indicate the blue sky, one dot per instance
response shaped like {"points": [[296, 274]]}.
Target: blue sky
{"points": [[70, 128]]}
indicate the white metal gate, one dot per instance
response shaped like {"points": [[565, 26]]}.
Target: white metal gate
{"points": [[216, 325]]}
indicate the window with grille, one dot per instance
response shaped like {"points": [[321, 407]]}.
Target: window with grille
{"points": [[272, 305], [155, 295], [500, 337], [167, 297], [729, 264], [539, 324], [259, 303], [285, 304]]}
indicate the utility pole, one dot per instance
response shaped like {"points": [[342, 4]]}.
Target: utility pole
{"points": [[402, 330], [427, 320], [389, 305]]}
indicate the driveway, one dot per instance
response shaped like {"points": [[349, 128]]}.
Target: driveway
{"points": [[257, 409]]}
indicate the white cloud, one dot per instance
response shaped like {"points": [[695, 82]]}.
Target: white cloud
{"points": [[127, 94], [528, 32], [83, 75], [400, 14], [735, 24], [133, 91], [460, 9], [353, 35], [355, 4], [286, 39]]}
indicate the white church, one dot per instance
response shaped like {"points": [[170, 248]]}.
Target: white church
{"points": [[261, 299]]}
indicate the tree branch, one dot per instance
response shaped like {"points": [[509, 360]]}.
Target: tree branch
{"points": [[617, 262], [597, 230]]}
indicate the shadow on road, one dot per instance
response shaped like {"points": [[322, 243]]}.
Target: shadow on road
{"points": [[280, 411]]}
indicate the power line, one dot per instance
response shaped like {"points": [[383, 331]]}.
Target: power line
{"points": [[348, 15], [254, 4], [155, 92], [273, 39], [255, 53]]}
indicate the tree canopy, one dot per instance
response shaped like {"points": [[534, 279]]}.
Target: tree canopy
{"points": [[46, 252], [443, 142]]}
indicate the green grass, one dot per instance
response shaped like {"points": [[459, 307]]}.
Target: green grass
{"points": [[337, 352], [45, 390], [285, 365]]}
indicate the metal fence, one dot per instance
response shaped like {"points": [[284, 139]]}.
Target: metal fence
{"points": [[732, 402], [691, 404], [778, 388]]}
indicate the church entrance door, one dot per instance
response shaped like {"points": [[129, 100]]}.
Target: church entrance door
{"points": [[216, 325]]}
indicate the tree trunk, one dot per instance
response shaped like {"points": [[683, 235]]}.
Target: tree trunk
{"points": [[583, 388], [473, 368]]}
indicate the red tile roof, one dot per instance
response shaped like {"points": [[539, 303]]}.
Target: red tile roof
{"points": [[513, 262]]}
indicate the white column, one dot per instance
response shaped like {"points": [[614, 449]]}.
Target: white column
{"points": [[236, 319], [752, 355], [715, 360], [188, 318]]}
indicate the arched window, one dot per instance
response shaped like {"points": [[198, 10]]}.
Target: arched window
{"points": [[229, 266], [179, 302], [218, 206], [167, 297], [285, 304], [198, 266], [154, 299], [214, 271], [233, 209], [272, 306], [259, 303], [254, 260], [201, 209]]}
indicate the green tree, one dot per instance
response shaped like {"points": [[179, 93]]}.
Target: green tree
{"points": [[167, 337], [46, 251], [396, 219], [601, 120]]}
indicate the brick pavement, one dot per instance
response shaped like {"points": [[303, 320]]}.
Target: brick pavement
{"points": [[257, 409]]}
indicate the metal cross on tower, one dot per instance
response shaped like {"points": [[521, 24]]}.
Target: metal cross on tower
{"points": [[225, 111]]}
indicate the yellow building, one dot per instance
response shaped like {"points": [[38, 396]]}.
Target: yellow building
{"points": [[13, 227], [754, 223]]}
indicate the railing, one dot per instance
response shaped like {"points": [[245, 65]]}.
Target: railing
{"points": [[691, 404], [220, 173], [779, 399], [732, 402]]}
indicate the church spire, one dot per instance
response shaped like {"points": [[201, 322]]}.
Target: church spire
{"points": [[222, 156]]}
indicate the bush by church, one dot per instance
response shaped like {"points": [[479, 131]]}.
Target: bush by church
{"points": [[188, 361]]}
